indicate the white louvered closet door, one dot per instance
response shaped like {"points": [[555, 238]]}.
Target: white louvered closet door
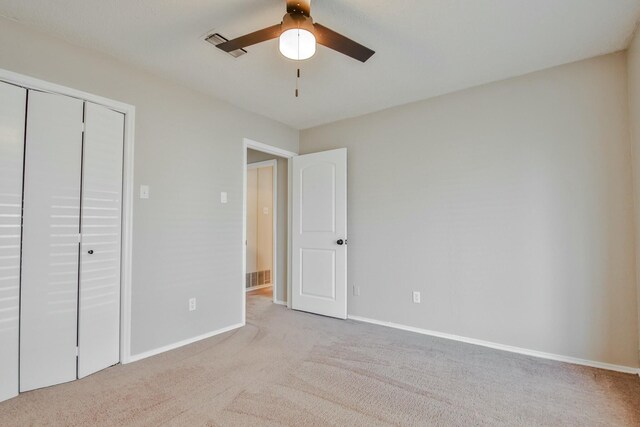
{"points": [[13, 101], [99, 316], [50, 244]]}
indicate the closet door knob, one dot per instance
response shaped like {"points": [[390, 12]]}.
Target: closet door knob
{"points": [[90, 251], [340, 242]]}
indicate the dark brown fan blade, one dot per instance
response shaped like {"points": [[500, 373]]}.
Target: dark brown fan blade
{"points": [[251, 39], [342, 44], [299, 6]]}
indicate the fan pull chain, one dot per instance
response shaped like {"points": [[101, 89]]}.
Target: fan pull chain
{"points": [[297, 81]]}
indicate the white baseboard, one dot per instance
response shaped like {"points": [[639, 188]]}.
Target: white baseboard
{"points": [[255, 288], [503, 347], [280, 302], [140, 356]]}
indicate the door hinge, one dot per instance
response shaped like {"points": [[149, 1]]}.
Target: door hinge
{"points": [[84, 127], [77, 351], [79, 238]]}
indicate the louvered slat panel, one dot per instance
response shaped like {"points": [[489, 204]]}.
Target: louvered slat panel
{"points": [[99, 327]]}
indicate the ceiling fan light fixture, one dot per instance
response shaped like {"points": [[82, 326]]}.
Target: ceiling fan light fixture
{"points": [[299, 36], [297, 44]]}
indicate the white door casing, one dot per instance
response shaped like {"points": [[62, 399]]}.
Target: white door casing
{"points": [[101, 219], [12, 119], [319, 233], [50, 241]]}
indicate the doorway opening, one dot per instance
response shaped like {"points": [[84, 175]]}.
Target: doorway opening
{"points": [[313, 227], [262, 223], [266, 224]]}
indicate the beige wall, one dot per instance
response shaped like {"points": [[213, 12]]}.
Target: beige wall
{"points": [[265, 219], [282, 212], [633, 59], [189, 148], [509, 206], [252, 221], [259, 219]]}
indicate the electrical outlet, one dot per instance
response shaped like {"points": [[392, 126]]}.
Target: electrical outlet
{"points": [[192, 304], [144, 191], [416, 297], [356, 290]]}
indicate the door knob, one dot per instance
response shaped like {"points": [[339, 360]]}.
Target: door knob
{"points": [[340, 242], [90, 251]]}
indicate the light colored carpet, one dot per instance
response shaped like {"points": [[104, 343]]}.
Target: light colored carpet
{"points": [[290, 368]]}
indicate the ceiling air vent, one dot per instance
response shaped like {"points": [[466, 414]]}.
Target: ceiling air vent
{"points": [[216, 39]]}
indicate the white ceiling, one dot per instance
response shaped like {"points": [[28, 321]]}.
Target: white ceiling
{"points": [[424, 48]]}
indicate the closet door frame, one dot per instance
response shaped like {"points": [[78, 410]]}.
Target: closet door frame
{"points": [[129, 112]]}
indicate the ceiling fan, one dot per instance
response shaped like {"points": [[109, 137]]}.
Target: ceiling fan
{"points": [[298, 36]]}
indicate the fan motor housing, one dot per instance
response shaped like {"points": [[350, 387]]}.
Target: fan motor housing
{"points": [[299, 21]]}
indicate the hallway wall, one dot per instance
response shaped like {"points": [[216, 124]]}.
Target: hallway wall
{"points": [[282, 237]]}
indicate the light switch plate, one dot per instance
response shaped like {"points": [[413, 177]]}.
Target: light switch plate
{"points": [[223, 197], [144, 191], [416, 297]]}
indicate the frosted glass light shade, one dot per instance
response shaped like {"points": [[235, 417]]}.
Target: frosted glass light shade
{"points": [[297, 44]]}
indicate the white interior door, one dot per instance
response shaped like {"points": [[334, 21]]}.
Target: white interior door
{"points": [[319, 233], [49, 303], [13, 101], [99, 317]]}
